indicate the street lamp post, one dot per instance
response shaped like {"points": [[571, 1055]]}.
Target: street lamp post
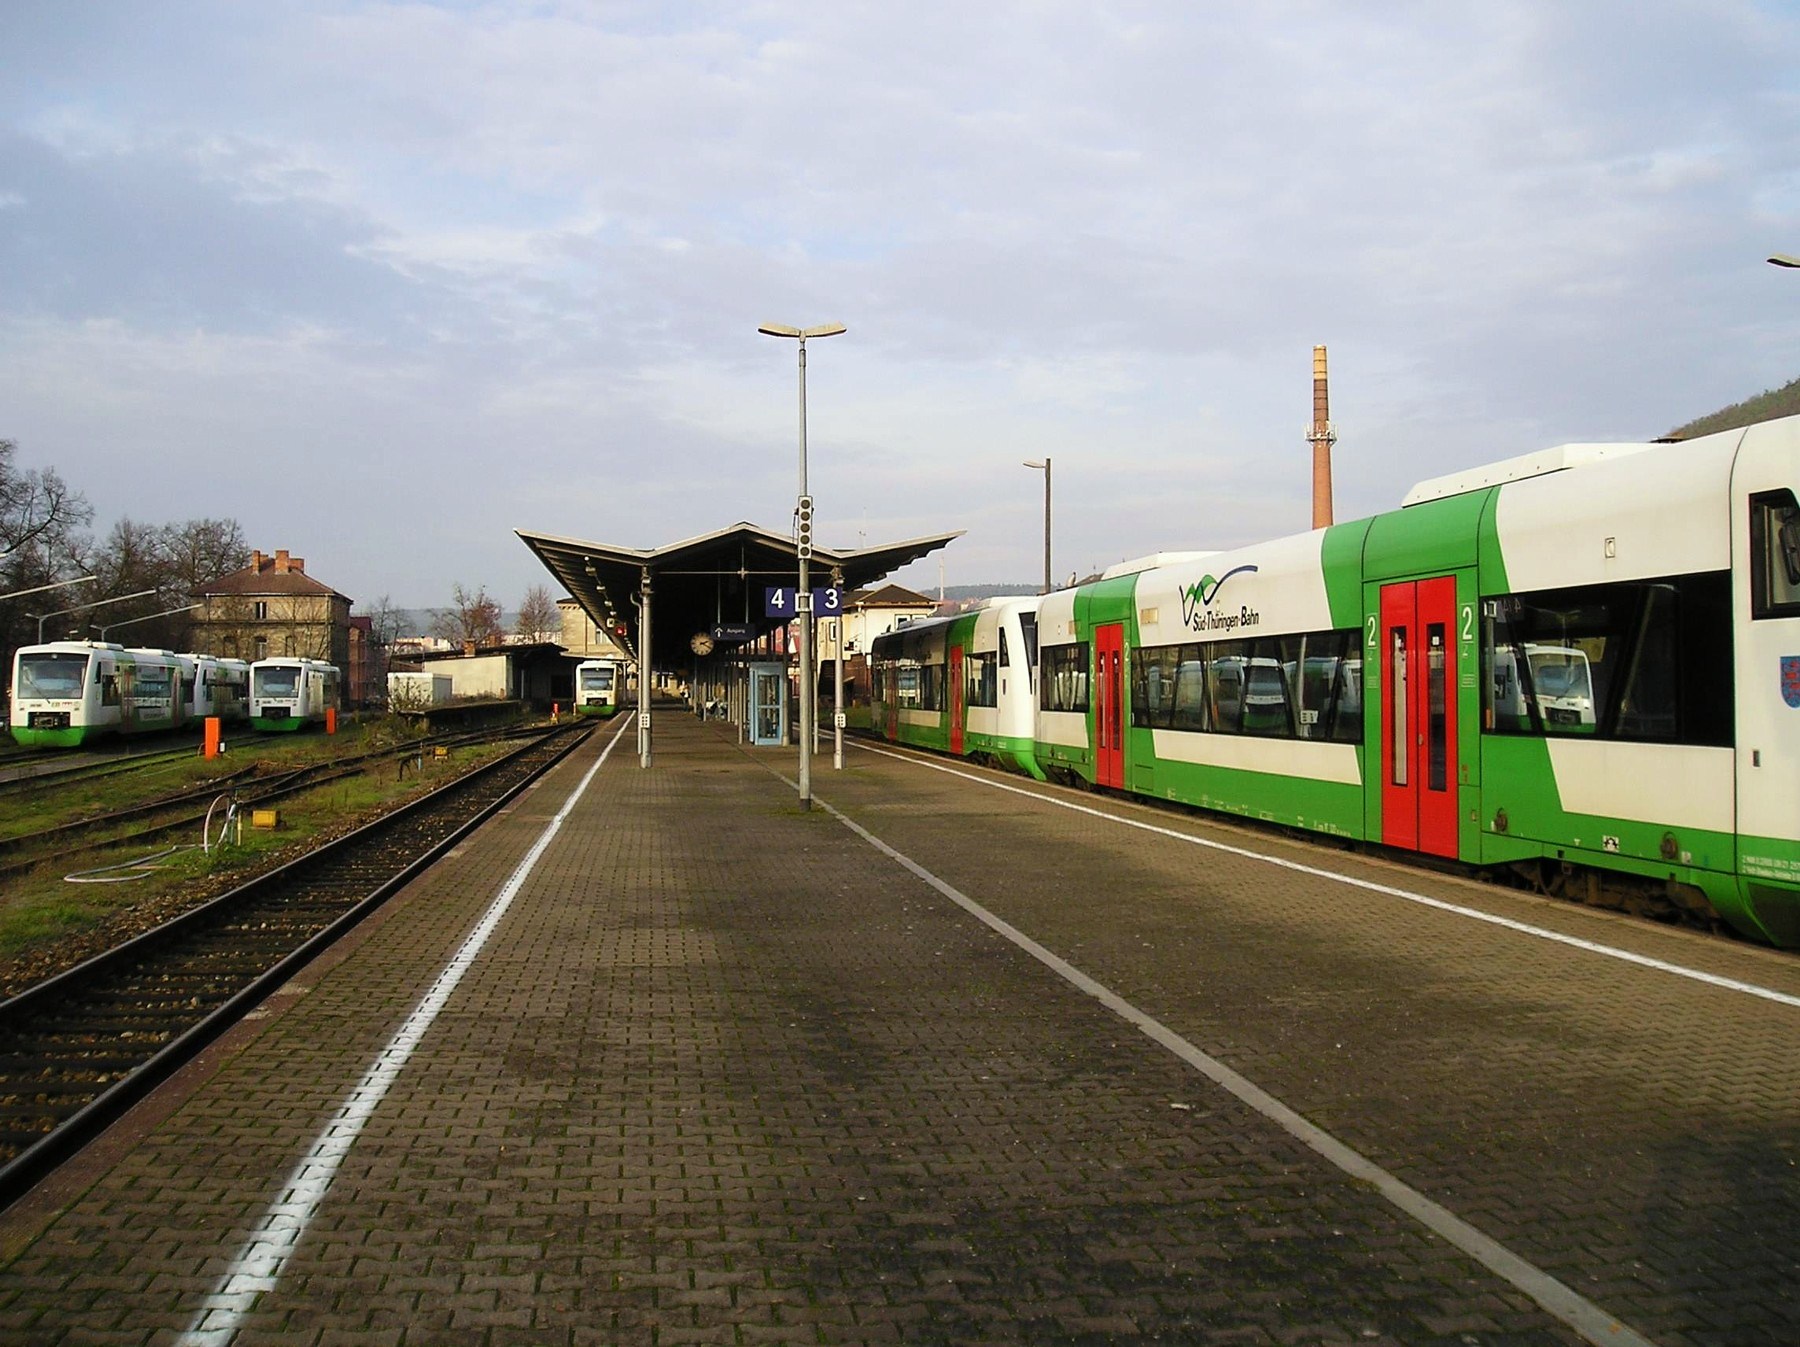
{"points": [[60, 584], [1045, 465], [83, 607], [1783, 260], [803, 551], [167, 612]]}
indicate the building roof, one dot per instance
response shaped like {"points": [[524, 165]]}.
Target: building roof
{"points": [[280, 574], [889, 596], [703, 582]]}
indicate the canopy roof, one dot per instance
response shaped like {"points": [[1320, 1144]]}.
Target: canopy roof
{"points": [[704, 582]]}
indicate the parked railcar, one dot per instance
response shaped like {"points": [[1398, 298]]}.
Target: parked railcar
{"points": [[290, 694], [599, 686], [962, 684], [68, 693], [221, 688], [1582, 664]]}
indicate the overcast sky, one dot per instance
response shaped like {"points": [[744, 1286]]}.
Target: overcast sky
{"points": [[384, 282]]}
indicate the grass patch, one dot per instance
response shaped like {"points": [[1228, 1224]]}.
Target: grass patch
{"points": [[48, 922]]}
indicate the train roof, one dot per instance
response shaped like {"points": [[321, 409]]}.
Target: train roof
{"points": [[1560, 459], [1149, 563]]}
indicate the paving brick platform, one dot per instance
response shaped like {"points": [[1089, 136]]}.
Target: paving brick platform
{"points": [[727, 1073]]}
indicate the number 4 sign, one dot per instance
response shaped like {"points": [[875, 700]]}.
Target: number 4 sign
{"points": [[779, 601]]}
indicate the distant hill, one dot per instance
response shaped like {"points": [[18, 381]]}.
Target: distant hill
{"points": [[987, 591], [1783, 401]]}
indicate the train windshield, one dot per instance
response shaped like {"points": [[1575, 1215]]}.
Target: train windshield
{"points": [[277, 681], [51, 675], [596, 680]]}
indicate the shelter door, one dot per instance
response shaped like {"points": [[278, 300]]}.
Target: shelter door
{"points": [[1109, 715], [1418, 715], [956, 699]]}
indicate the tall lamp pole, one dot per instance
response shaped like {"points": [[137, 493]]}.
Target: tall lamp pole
{"points": [[1783, 260], [1045, 465], [39, 589], [167, 612], [83, 607], [803, 550]]}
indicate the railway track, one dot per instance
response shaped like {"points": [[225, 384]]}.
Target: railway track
{"points": [[79, 1049], [182, 809]]}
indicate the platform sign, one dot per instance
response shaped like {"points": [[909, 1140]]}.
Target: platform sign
{"points": [[733, 631], [780, 601]]}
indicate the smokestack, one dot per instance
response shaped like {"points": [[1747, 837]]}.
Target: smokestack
{"points": [[1322, 437]]}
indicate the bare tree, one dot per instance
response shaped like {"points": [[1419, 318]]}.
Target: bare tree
{"points": [[539, 617], [471, 617], [41, 542], [201, 550]]}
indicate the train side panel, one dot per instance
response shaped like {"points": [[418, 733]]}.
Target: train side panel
{"points": [[1765, 523], [1245, 682], [1606, 675]]}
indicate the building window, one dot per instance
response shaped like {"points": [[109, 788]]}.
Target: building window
{"points": [[262, 647], [261, 610]]}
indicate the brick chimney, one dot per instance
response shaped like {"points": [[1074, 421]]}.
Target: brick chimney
{"points": [[256, 562]]}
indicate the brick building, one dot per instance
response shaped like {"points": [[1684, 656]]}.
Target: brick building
{"points": [[272, 608]]}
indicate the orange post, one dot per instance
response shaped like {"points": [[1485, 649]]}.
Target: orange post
{"points": [[212, 736], [331, 720]]}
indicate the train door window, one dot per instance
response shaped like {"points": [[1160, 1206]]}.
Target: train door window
{"points": [[1005, 663], [1028, 629], [1775, 555], [1437, 694], [1397, 691]]}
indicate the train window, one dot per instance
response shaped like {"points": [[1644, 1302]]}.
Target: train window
{"points": [[1642, 660], [1028, 629], [1064, 677], [1397, 691], [1153, 686], [51, 675], [1305, 685], [1437, 696], [980, 679], [1775, 555]]}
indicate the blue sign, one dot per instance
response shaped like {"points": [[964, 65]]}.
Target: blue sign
{"points": [[778, 601]]}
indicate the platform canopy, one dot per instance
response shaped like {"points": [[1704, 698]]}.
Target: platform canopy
{"points": [[705, 583]]}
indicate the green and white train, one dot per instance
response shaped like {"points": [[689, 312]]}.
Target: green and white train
{"points": [[599, 686], [1582, 666], [67, 694], [963, 684]]}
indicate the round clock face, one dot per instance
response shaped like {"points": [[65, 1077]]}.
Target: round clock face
{"points": [[702, 644]]}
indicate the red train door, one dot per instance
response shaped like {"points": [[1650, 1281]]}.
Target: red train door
{"points": [[956, 699], [1418, 715], [1109, 736]]}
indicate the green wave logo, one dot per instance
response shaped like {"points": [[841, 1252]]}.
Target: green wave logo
{"points": [[1199, 596]]}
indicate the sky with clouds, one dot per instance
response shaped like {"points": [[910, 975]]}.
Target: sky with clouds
{"points": [[385, 282]]}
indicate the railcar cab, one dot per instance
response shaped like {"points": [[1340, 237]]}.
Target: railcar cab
{"points": [[55, 692], [1765, 531], [598, 684]]}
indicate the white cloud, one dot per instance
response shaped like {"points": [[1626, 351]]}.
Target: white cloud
{"points": [[500, 265]]}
